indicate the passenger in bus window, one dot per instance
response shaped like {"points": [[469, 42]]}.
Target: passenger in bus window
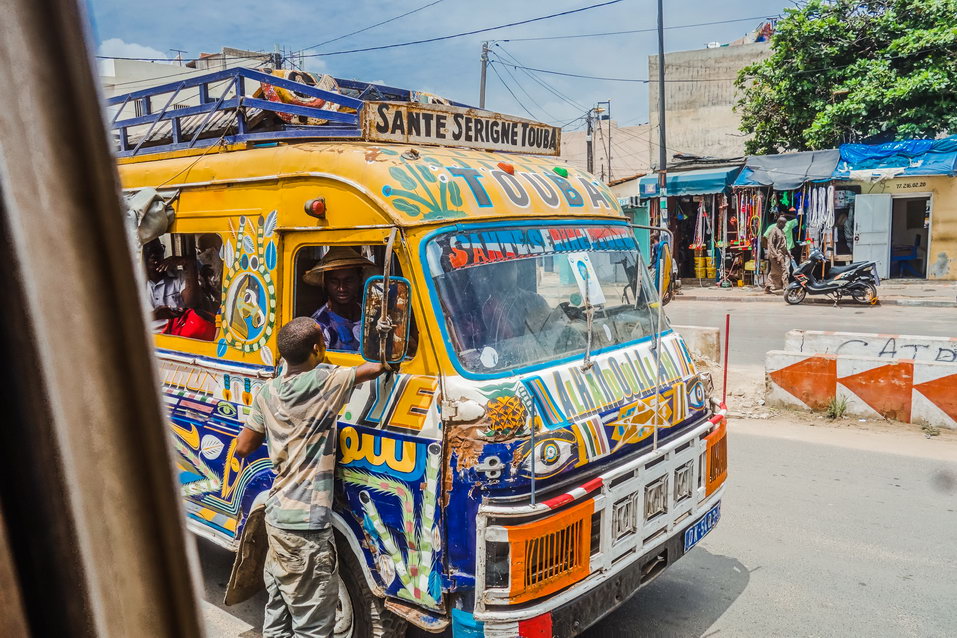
{"points": [[341, 273], [512, 309], [208, 247], [166, 285], [182, 305]]}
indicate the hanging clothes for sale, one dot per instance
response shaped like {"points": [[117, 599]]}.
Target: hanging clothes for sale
{"points": [[694, 215]]}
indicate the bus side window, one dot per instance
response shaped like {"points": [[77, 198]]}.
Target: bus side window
{"points": [[329, 283], [184, 283]]}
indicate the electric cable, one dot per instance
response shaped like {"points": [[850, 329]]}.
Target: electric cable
{"points": [[545, 85], [523, 90], [465, 33], [610, 79], [424, 41], [377, 24], [512, 93], [606, 33]]}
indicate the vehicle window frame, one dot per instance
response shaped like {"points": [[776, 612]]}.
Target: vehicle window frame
{"points": [[442, 318], [346, 357], [176, 245]]}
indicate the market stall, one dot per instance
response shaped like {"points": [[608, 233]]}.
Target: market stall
{"points": [[699, 208], [799, 186]]}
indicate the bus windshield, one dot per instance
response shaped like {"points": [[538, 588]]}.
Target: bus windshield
{"points": [[520, 296]]}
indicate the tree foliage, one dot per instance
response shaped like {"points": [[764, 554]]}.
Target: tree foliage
{"points": [[853, 70]]}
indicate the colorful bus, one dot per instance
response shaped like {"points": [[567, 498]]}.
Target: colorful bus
{"points": [[546, 445]]}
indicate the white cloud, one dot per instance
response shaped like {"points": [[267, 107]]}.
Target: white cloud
{"points": [[115, 47], [315, 65]]}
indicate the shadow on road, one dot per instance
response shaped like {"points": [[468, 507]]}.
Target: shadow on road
{"points": [[684, 601], [216, 564]]}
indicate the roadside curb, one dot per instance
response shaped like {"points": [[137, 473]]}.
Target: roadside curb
{"points": [[926, 303]]}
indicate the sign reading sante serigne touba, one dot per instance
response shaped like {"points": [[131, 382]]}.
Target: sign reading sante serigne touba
{"points": [[457, 126]]}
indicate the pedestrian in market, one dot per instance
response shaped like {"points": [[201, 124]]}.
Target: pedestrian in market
{"points": [[793, 247], [296, 412], [779, 257]]}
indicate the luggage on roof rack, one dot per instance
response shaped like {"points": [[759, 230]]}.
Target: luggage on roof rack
{"points": [[296, 106]]}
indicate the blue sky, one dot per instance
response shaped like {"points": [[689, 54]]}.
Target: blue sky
{"points": [[450, 68]]}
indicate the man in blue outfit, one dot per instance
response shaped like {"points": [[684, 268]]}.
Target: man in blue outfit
{"points": [[341, 273]]}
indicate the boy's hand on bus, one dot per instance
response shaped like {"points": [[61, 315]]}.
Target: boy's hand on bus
{"points": [[369, 371]]}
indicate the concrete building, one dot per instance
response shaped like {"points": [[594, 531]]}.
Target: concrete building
{"points": [[700, 98]]}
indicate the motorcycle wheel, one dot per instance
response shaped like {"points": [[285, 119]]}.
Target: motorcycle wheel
{"points": [[794, 296], [866, 293]]}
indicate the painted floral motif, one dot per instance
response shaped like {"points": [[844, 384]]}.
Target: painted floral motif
{"points": [[406, 559], [423, 188]]}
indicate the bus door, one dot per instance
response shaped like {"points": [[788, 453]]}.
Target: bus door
{"points": [[389, 468]]}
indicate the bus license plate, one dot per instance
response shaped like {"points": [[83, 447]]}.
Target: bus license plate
{"points": [[704, 525]]}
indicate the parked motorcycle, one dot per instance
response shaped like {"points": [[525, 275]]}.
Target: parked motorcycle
{"points": [[858, 281]]}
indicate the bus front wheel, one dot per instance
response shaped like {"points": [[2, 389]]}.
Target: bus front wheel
{"points": [[360, 612]]}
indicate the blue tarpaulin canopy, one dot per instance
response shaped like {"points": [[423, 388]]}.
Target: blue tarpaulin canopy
{"points": [[904, 158], [700, 182]]}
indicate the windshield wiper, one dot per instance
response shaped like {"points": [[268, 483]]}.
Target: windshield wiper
{"points": [[589, 324]]}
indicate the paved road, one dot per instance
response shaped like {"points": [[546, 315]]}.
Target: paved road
{"points": [[759, 327], [824, 532]]}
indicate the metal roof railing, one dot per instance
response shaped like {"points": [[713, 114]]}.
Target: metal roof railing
{"points": [[226, 114]]}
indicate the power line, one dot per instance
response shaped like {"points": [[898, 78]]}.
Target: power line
{"points": [[377, 24], [458, 35], [512, 93], [523, 90], [548, 87], [569, 122], [413, 42], [595, 35], [609, 79], [465, 33]]}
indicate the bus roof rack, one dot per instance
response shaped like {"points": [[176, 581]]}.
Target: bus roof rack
{"points": [[226, 114]]}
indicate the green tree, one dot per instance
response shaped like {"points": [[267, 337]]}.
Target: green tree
{"points": [[845, 70]]}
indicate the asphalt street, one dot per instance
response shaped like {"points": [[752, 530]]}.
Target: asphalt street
{"points": [[760, 326], [824, 532]]}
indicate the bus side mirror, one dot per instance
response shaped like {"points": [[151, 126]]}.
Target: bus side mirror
{"points": [[397, 319], [664, 268]]}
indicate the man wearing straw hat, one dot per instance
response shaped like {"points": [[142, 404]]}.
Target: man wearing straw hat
{"points": [[341, 273]]}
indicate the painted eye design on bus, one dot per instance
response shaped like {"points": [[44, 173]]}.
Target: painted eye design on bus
{"points": [[696, 395], [553, 453]]}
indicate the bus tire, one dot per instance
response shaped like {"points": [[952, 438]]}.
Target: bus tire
{"points": [[368, 616]]}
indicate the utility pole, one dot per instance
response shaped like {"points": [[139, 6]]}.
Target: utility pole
{"points": [[662, 148], [607, 110], [609, 141], [179, 55], [484, 69], [589, 154]]}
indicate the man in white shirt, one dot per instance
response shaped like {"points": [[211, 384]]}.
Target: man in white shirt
{"points": [[170, 294]]}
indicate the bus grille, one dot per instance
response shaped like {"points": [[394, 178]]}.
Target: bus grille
{"points": [[550, 554]]}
